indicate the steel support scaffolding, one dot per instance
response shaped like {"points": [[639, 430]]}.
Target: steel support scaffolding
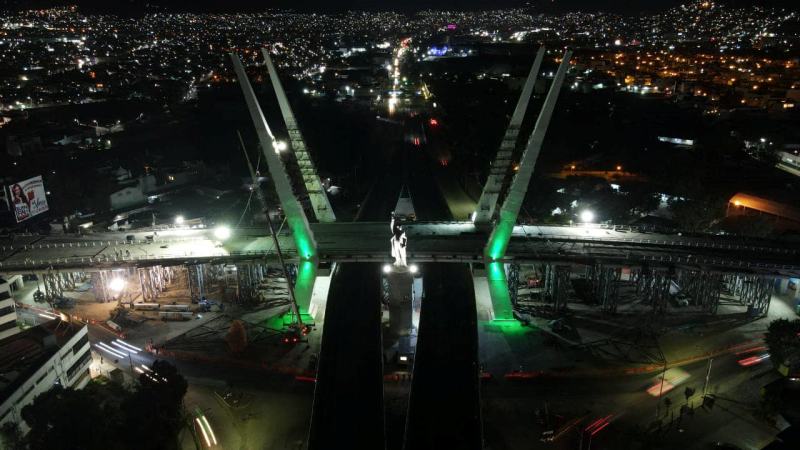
{"points": [[652, 287], [513, 282], [498, 171], [753, 291], [703, 288], [605, 286], [154, 280], [557, 283], [313, 185]]}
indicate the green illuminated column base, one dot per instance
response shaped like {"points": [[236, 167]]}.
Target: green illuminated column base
{"points": [[498, 291], [304, 286]]}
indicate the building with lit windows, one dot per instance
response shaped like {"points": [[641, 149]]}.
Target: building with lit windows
{"points": [[8, 315], [34, 360]]}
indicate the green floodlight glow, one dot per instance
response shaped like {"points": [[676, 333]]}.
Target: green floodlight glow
{"points": [[498, 291], [501, 236], [506, 327], [302, 239], [306, 276]]}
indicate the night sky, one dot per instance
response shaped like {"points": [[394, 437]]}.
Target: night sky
{"points": [[128, 6]]}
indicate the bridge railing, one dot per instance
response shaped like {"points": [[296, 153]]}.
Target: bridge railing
{"points": [[118, 259], [688, 242]]}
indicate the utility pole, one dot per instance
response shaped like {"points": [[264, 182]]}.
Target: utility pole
{"points": [[708, 375], [661, 389], [263, 201]]}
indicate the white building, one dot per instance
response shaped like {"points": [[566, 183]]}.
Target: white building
{"points": [[133, 195], [789, 161], [34, 360], [8, 314]]}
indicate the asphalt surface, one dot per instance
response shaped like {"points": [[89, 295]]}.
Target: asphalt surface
{"points": [[511, 419], [348, 401], [348, 410], [444, 405], [444, 410]]}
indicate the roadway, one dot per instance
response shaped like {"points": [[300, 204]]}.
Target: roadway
{"points": [[348, 400], [444, 403], [348, 409], [632, 402], [444, 408]]}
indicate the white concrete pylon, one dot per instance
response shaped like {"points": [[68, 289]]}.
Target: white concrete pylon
{"points": [[295, 216], [499, 169], [316, 192], [501, 235]]}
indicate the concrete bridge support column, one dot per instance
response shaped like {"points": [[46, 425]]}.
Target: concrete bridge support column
{"points": [[399, 297]]}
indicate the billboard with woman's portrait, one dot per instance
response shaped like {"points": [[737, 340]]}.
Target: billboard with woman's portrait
{"points": [[27, 198]]}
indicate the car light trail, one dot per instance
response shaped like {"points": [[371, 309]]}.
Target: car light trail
{"points": [[753, 360], [123, 348], [132, 348], [656, 390], [109, 350], [752, 350], [205, 435], [210, 430]]}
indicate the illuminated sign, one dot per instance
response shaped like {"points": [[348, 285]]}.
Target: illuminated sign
{"points": [[27, 198]]}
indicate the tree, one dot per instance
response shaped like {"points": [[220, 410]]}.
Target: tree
{"points": [[71, 419], [11, 437], [155, 409], [755, 226], [782, 339], [108, 416], [697, 215]]}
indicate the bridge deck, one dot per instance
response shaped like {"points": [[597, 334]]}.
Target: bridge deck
{"points": [[348, 399], [368, 241], [444, 409]]}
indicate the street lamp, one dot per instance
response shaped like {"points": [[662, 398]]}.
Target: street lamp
{"points": [[413, 268], [222, 232], [387, 268], [178, 220], [116, 285], [587, 216], [279, 146]]}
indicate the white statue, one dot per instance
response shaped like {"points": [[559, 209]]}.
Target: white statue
{"points": [[398, 243]]}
